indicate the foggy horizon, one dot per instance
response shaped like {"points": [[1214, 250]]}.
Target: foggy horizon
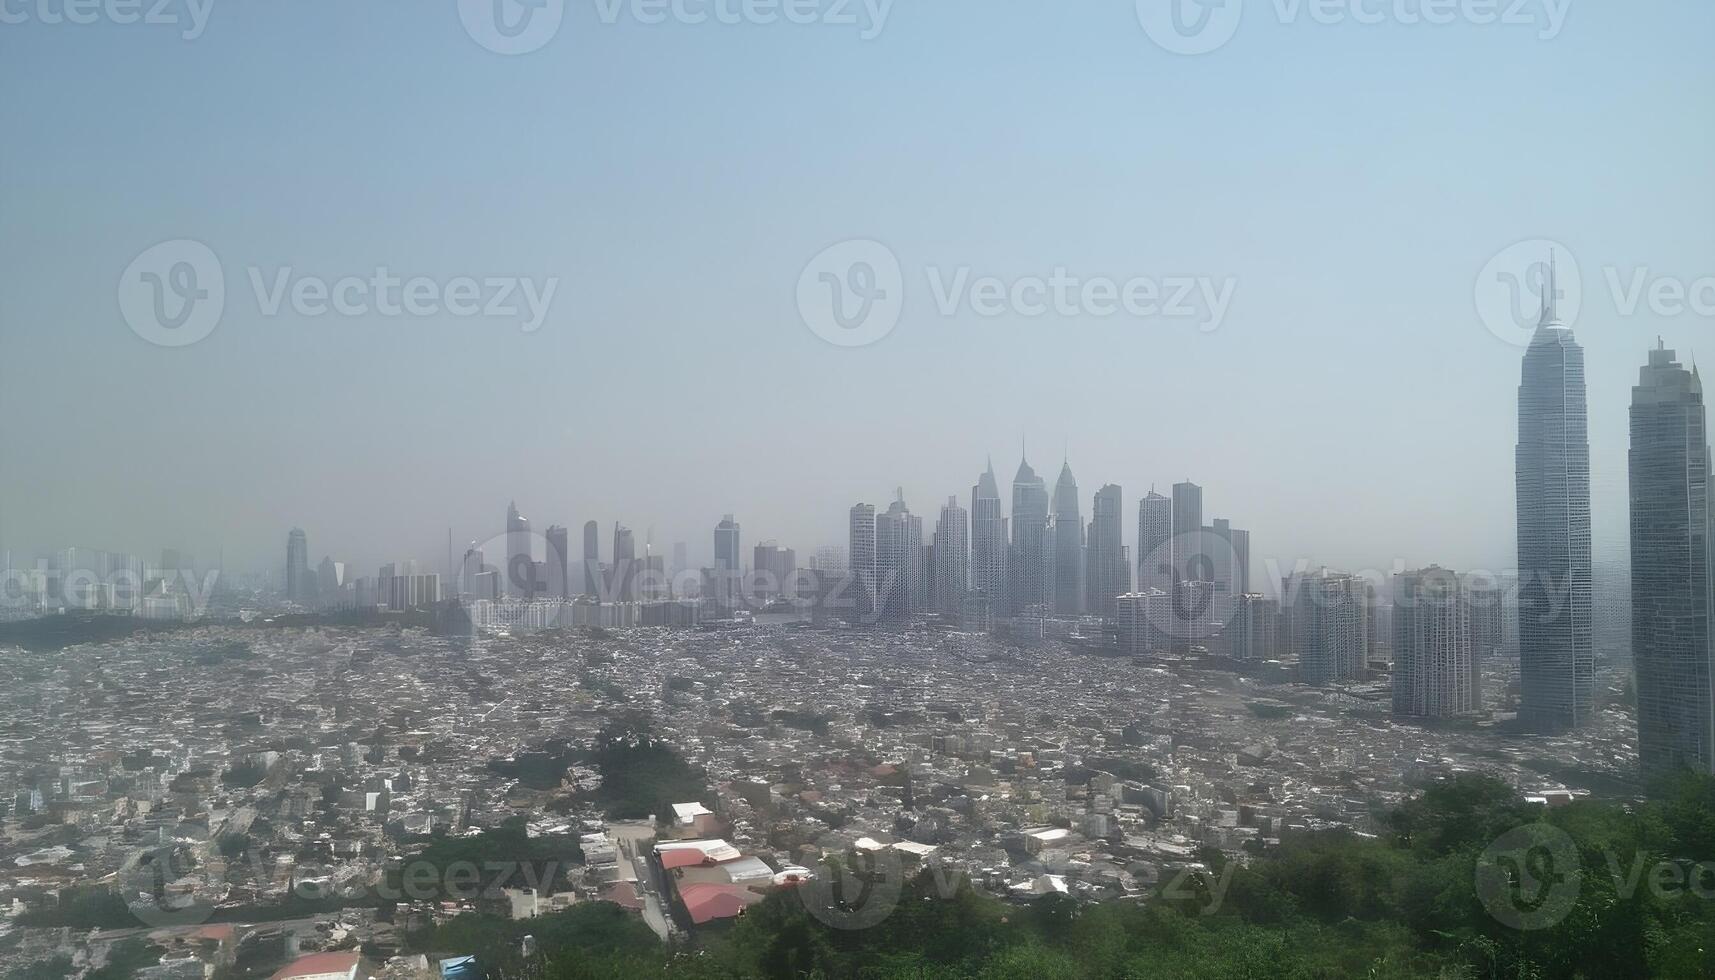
{"points": [[672, 380]]}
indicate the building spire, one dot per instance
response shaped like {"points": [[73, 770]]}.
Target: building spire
{"points": [[1551, 293]]}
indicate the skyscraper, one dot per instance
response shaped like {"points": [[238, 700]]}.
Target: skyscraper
{"points": [[1106, 575], [1228, 561], [1488, 632], [1068, 542], [1431, 645], [1556, 659], [1330, 625], [624, 585], [520, 563], [476, 580], [1154, 532], [898, 561], [773, 568], [1029, 565], [861, 561], [299, 585], [1253, 632], [592, 558], [557, 564], [727, 566], [1670, 512], [952, 559], [1188, 561], [988, 542]]}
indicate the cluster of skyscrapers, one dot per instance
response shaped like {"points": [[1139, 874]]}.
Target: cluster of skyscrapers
{"points": [[1042, 562], [1036, 561], [1669, 470]]}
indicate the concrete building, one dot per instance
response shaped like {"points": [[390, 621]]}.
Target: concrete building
{"points": [[1431, 645]]}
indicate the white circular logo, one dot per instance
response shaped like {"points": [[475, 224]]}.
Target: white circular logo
{"points": [[522, 564], [512, 26], [852, 889], [1521, 282], [1529, 878], [174, 293], [1186, 568], [1190, 26], [852, 293]]}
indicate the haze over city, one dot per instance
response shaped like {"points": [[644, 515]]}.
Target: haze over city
{"points": [[856, 490], [1350, 180]]}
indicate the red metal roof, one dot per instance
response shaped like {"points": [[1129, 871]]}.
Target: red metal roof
{"points": [[317, 963], [707, 901]]}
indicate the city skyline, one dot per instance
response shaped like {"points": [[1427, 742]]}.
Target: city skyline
{"points": [[644, 251]]}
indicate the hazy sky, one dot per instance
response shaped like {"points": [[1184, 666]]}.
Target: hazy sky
{"points": [[1349, 180]]}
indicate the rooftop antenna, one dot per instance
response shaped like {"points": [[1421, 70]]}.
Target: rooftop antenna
{"points": [[1551, 292]]}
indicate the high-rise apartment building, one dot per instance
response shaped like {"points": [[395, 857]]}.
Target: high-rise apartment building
{"points": [[1431, 645], [860, 558], [1154, 532], [1106, 576], [951, 570]]}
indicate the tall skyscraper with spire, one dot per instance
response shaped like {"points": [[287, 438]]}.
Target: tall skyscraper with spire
{"points": [[952, 559], [1068, 542], [988, 542], [1029, 564], [1670, 514], [1556, 659]]}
